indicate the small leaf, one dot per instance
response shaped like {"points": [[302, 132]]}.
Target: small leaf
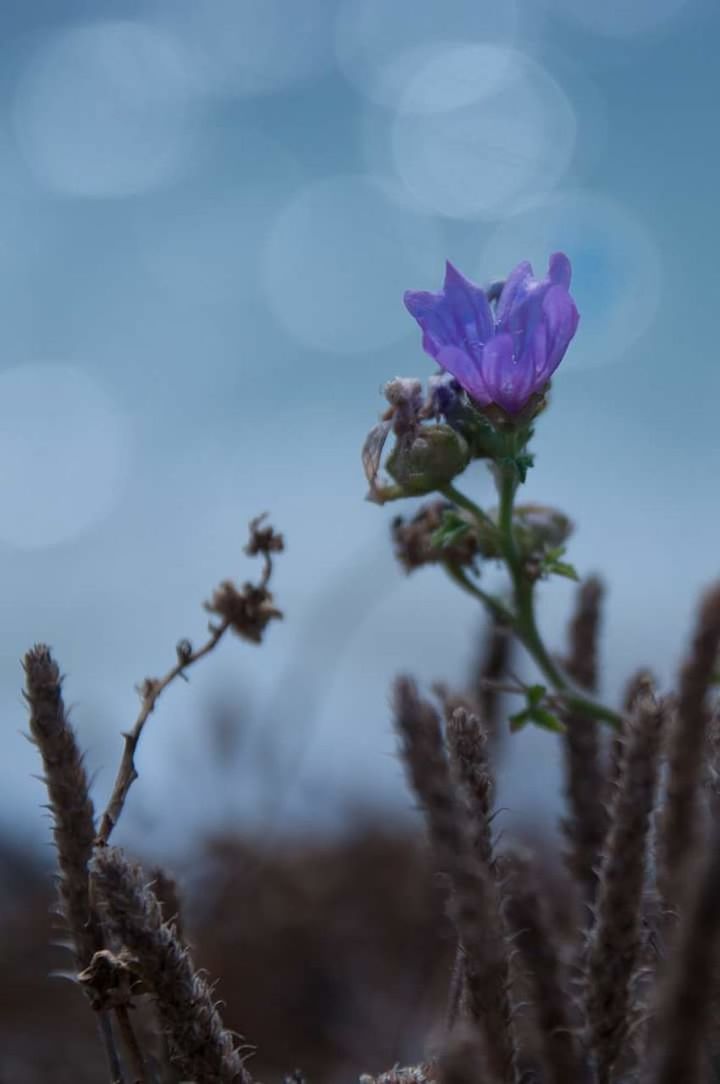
{"points": [[520, 719], [562, 568], [535, 695], [544, 718], [450, 531]]}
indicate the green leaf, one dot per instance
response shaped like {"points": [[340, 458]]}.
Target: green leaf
{"points": [[551, 565], [536, 713], [535, 695], [562, 568], [451, 530], [519, 720], [544, 718]]}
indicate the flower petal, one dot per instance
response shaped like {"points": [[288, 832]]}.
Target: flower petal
{"points": [[469, 308], [466, 371], [515, 289], [559, 270], [510, 380], [431, 314], [561, 319]]}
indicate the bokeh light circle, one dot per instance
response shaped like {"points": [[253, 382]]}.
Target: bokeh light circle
{"points": [[248, 47], [103, 109], [379, 44], [492, 154], [620, 18], [338, 259], [65, 453], [616, 268]]}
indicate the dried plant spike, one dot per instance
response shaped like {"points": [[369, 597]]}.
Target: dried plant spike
{"points": [[204, 1050], [73, 818], [676, 1050], [615, 942], [68, 791], [475, 903], [686, 749], [467, 742], [586, 828], [492, 667], [551, 1004], [582, 661], [165, 889]]}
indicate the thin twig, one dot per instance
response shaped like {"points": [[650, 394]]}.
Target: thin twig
{"points": [[151, 691], [247, 612], [131, 1043]]}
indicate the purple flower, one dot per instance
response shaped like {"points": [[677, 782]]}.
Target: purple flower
{"points": [[504, 356]]}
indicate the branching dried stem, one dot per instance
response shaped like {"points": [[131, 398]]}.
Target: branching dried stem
{"points": [[615, 942], [246, 611]]}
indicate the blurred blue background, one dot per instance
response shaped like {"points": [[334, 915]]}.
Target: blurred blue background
{"points": [[208, 215]]}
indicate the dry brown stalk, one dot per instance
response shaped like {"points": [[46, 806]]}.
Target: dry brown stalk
{"points": [[615, 945], [585, 830], [475, 903], [204, 1050], [493, 665], [246, 611], [165, 889], [467, 742], [73, 816], [676, 1048], [686, 748], [552, 1004]]}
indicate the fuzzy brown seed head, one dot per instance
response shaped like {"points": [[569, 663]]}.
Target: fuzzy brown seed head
{"points": [[264, 540], [248, 611]]}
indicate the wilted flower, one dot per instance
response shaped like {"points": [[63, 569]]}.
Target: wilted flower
{"points": [[506, 356], [425, 457]]}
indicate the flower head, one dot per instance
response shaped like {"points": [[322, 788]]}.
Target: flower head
{"points": [[507, 355]]}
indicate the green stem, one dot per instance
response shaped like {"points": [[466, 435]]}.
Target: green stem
{"points": [[462, 501], [523, 621], [461, 578]]}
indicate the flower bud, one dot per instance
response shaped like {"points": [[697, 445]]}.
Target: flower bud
{"points": [[540, 527], [428, 460]]}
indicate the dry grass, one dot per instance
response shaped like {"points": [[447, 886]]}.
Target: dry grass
{"points": [[337, 957]]}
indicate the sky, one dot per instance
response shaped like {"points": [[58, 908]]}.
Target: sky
{"points": [[208, 216]]}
